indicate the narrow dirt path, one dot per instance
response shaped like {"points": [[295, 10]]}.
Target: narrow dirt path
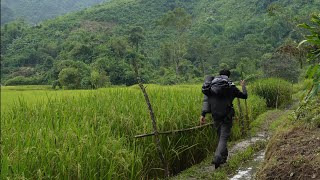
{"points": [[204, 169], [249, 169]]}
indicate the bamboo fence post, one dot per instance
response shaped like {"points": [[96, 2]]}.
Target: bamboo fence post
{"points": [[153, 119], [240, 117], [247, 114], [244, 120]]}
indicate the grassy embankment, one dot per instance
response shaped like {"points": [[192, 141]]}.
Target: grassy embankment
{"points": [[293, 151], [87, 133]]}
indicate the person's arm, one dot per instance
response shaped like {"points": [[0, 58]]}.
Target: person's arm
{"points": [[238, 93], [205, 106], [205, 109]]}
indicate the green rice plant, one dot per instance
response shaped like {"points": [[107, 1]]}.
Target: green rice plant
{"points": [[256, 106], [277, 92], [89, 134]]}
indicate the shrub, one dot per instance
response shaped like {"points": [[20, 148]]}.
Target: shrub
{"points": [[99, 79], [70, 78], [21, 80], [309, 112], [56, 84], [275, 91], [85, 83]]}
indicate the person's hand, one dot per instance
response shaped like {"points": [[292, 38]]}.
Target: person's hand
{"points": [[243, 83], [202, 120]]}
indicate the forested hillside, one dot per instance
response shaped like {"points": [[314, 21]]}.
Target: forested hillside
{"points": [[35, 11], [179, 41]]}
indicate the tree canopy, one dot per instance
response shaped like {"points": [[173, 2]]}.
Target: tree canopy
{"points": [[37, 11], [181, 41]]}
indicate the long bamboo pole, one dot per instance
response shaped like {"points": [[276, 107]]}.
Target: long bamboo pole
{"points": [[246, 119], [247, 114], [174, 131]]}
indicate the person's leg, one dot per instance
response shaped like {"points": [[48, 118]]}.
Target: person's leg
{"points": [[224, 156], [222, 151], [217, 129]]}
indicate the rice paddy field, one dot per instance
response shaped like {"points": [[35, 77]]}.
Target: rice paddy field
{"points": [[89, 134]]}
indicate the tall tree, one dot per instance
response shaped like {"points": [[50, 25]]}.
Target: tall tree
{"points": [[178, 21], [199, 50], [136, 37], [281, 66]]}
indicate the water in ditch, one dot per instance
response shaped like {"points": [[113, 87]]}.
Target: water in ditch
{"points": [[250, 168]]}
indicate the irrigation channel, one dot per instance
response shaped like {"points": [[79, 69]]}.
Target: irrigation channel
{"points": [[249, 169]]}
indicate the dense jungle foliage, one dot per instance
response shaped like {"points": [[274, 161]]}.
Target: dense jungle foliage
{"points": [[178, 41], [35, 11]]}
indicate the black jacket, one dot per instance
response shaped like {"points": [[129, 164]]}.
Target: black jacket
{"points": [[220, 106]]}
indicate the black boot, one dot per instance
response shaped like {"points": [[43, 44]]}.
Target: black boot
{"points": [[224, 159], [217, 162]]}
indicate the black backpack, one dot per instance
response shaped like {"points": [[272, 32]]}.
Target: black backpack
{"points": [[217, 86]]}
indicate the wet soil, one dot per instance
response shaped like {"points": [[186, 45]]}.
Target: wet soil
{"points": [[249, 169]]}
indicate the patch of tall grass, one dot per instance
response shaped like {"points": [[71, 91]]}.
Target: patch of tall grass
{"points": [[255, 106], [276, 92], [90, 134], [26, 87], [32, 94], [309, 113]]}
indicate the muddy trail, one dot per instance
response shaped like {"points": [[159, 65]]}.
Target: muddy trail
{"points": [[247, 170], [250, 168]]}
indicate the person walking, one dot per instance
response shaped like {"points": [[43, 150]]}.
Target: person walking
{"points": [[219, 94]]}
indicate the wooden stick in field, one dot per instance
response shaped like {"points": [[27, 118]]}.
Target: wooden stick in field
{"points": [[246, 124], [241, 117], [153, 119], [247, 114], [174, 131]]}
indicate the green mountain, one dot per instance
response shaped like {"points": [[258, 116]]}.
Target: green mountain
{"points": [[35, 11], [183, 41]]}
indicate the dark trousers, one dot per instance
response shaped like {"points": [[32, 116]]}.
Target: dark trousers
{"points": [[223, 127]]}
